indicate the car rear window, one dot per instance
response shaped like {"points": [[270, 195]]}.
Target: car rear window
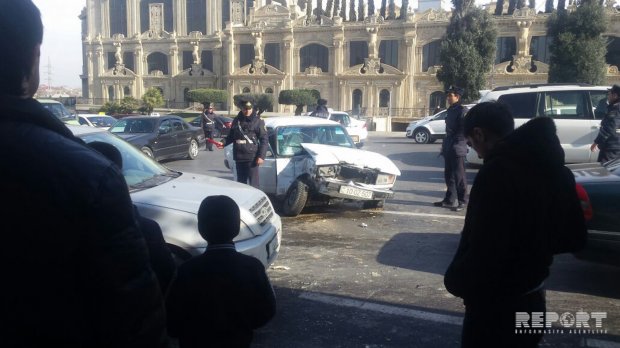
{"points": [[521, 105]]}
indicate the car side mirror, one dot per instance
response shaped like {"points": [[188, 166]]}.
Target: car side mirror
{"points": [[359, 145]]}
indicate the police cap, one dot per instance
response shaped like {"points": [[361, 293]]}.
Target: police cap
{"points": [[455, 90]]}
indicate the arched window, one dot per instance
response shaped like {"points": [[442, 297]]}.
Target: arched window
{"points": [[314, 55], [613, 51], [269, 90], [110, 92], [539, 48], [430, 54], [384, 98], [127, 91], [118, 17], [145, 15], [246, 90], [196, 12], [157, 61], [437, 100], [506, 47], [356, 102]]}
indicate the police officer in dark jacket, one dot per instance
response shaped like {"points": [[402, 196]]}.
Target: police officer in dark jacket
{"points": [[249, 138], [208, 123], [608, 141], [454, 150]]}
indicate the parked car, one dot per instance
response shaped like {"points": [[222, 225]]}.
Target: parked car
{"points": [[172, 199], [598, 186], [161, 137], [430, 128], [356, 128], [572, 108], [96, 120], [311, 159], [59, 110], [222, 125]]}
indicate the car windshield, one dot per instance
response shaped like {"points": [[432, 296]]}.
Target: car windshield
{"points": [[139, 170], [102, 121], [134, 125], [289, 139], [59, 111]]}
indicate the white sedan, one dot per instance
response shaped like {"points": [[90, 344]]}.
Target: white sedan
{"points": [[96, 120], [357, 129], [172, 199], [311, 159]]}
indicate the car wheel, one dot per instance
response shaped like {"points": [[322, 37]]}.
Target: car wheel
{"points": [[147, 151], [373, 204], [421, 136], [192, 151], [295, 199]]}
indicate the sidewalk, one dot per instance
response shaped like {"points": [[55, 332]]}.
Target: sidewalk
{"points": [[386, 134]]}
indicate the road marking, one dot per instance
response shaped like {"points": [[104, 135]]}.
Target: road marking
{"points": [[392, 310], [407, 213]]}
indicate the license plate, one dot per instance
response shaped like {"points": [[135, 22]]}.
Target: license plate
{"points": [[272, 246], [354, 191]]}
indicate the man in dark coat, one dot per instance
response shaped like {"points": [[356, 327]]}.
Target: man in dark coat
{"points": [[321, 109], [75, 268], [523, 209], [454, 150], [220, 297], [208, 123], [249, 138], [608, 140]]}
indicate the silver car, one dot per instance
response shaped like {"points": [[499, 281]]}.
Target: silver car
{"points": [[172, 199], [428, 129]]}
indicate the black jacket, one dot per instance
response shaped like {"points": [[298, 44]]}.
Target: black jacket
{"points": [[74, 265], [219, 298], [455, 143], [207, 120], [608, 140], [253, 127], [523, 208]]}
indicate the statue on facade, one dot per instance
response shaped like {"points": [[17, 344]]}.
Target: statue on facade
{"points": [[373, 51], [195, 52], [258, 45], [118, 54]]}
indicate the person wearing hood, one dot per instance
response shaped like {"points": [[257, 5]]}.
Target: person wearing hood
{"points": [[523, 209], [608, 141], [321, 109], [249, 138]]}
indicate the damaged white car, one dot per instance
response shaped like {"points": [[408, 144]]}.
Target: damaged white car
{"points": [[312, 160]]}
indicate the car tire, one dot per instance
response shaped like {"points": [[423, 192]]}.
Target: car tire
{"points": [[192, 151], [376, 204], [295, 198], [421, 136], [147, 151]]}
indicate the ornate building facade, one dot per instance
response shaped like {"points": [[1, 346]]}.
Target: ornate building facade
{"points": [[375, 66]]}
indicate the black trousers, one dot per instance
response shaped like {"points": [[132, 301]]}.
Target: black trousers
{"points": [[493, 324], [247, 172], [456, 181], [208, 135]]}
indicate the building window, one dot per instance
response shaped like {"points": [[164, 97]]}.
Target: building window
{"points": [[246, 90], [437, 101], [157, 61], [110, 92], [188, 60], [539, 48], [196, 16], [356, 102], [430, 54], [111, 60], [246, 54], [225, 12], [358, 50], [129, 61], [145, 16], [314, 55], [118, 17], [506, 47], [207, 60], [388, 52], [272, 54], [613, 51], [127, 91], [384, 98], [186, 97], [269, 90]]}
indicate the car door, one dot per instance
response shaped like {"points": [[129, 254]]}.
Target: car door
{"points": [[438, 124], [165, 143], [574, 120], [182, 137]]}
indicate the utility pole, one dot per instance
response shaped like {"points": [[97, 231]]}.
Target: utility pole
{"points": [[48, 72]]}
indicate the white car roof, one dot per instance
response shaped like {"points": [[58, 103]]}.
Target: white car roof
{"points": [[494, 94], [81, 130], [279, 121]]}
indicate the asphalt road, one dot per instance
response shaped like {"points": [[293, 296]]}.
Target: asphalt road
{"points": [[347, 277]]}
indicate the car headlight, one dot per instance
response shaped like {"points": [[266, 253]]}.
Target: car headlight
{"points": [[328, 171], [385, 179]]}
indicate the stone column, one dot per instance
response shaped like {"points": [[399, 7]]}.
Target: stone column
{"points": [[133, 18], [289, 62], [90, 71], [140, 72], [179, 17], [174, 60], [410, 68], [105, 18]]}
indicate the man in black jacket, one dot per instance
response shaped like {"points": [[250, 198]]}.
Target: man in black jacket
{"points": [[208, 123], [249, 138], [523, 209], [74, 266], [608, 140], [454, 150]]}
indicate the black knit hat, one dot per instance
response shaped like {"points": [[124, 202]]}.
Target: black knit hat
{"points": [[615, 89], [218, 219]]}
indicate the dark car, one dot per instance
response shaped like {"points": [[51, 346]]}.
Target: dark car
{"points": [[222, 125], [161, 137], [598, 186]]}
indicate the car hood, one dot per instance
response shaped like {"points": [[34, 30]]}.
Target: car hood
{"points": [[328, 154], [186, 192]]}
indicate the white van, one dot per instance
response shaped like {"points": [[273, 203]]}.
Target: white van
{"points": [[577, 110]]}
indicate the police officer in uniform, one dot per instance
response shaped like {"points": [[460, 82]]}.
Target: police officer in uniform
{"points": [[249, 138], [208, 123], [454, 150]]}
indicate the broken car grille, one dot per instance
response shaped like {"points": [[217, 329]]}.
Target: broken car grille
{"points": [[358, 175]]}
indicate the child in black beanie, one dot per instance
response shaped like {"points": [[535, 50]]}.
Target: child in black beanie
{"points": [[221, 296]]}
